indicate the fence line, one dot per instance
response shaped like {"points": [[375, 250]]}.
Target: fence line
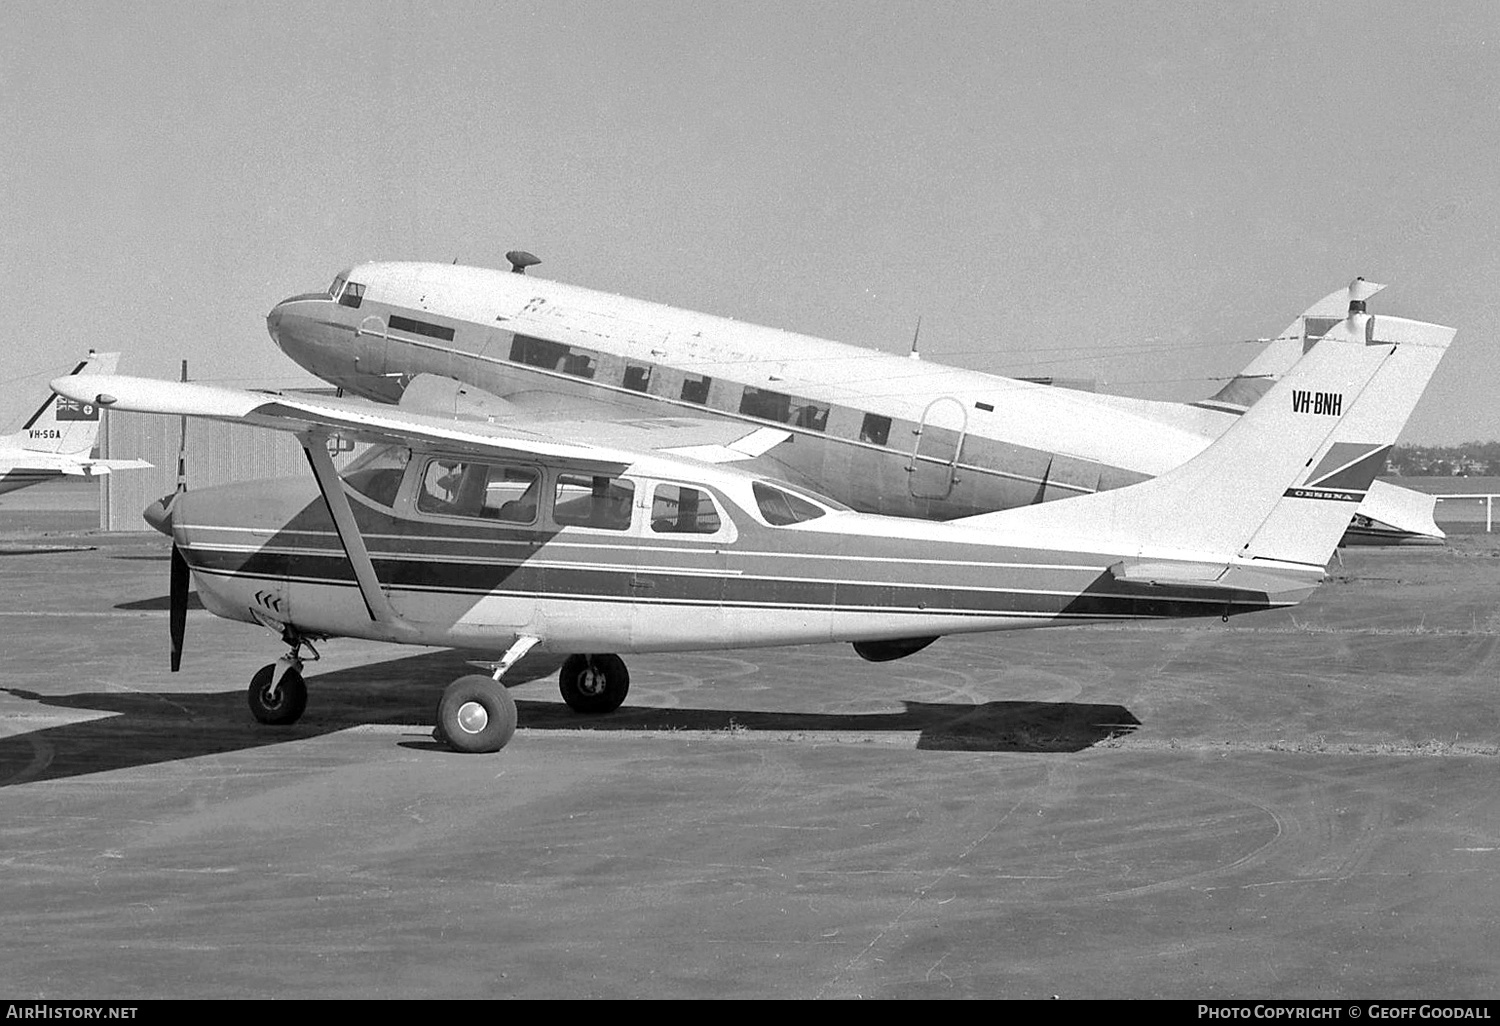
{"points": [[1489, 504]]}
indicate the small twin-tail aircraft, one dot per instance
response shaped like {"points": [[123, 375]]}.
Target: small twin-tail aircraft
{"points": [[57, 440], [461, 533]]}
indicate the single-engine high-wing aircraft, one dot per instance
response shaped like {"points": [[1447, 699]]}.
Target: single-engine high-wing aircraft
{"points": [[461, 533], [879, 432], [57, 439]]}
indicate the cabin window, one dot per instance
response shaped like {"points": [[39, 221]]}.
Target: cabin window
{"points": [[808, 414], [781, 508], [554, 356], [537, 352], [579, 363], [420, 327], [765, 404], [695, 388], [353, 295], [875, 429], [592, 500], [637, 377], [376, 473], [458, 488], [678, 509]]}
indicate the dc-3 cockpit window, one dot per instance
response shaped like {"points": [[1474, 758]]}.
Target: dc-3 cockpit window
{"points": [[376, 473], [593, 500], [491, 491], [678, 509], [346, 292], [781, 507]]}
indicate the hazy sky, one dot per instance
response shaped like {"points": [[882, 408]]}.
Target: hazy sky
{"points": [[1122, 191]]}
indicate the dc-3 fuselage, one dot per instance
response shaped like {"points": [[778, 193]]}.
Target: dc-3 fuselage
{"points": [[878, 432], [458, 531]]}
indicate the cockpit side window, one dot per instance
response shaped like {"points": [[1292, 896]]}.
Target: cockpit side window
{"points": [[781, 508], [353, 295], [458, 488]]}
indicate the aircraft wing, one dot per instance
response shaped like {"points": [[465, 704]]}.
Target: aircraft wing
{"points": [[360, 421], [585, 421]]}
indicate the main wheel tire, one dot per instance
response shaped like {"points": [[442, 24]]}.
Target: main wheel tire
{"points": [[286, 705], [476, 714], [594, 684]]}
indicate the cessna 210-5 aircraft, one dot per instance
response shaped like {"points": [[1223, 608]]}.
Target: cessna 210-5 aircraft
{"points": [[457, 532], [57, 439], [881, 433]]}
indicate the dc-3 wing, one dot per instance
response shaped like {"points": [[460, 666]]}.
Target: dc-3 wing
{"points": [[583, 421], [471, 426]]}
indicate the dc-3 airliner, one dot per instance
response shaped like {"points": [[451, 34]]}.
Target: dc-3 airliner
{"points": [[56, 440], [455, 531], [879, 432]]}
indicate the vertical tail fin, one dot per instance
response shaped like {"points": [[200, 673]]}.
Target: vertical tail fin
{"points": [[62, 425], [1283, 481], [1283, 351]]}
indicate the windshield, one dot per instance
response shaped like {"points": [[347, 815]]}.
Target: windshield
{"points": [[376, 473]]}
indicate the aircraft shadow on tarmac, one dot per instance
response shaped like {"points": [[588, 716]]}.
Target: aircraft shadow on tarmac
{"points": [[155, 727]]}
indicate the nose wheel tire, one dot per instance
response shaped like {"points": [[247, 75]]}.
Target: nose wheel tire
{"points": [[282, 704], [476, 714], [594, 684]]}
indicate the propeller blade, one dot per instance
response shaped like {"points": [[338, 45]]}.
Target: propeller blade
{"points": [[177, 620]]}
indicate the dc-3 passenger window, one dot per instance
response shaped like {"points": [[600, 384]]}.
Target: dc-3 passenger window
{"points": [[875, 429], [458, 488], [376, 473], [637, 377], [781, 508], [678, 509], [695, 388], [593, 500]]}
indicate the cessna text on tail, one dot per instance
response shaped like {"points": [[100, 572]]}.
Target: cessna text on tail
{"points": [[508, 538], [58, 438], [882, 433]]}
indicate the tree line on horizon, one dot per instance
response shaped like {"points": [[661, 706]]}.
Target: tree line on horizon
{"points": [[1471, 459]]}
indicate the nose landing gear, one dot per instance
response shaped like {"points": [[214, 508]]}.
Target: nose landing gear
{"points": [[278, 694]]}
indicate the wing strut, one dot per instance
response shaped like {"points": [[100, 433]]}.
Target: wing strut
{"points": [[315, 444]]}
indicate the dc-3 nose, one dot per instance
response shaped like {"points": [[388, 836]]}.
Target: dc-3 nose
{"points": [[159, 514]]}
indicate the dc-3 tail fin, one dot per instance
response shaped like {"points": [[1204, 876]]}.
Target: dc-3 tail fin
{"points": [[62, 425], [1283, 481]]}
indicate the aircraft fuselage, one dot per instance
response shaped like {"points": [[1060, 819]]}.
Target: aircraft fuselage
{"points": [[269, 551], [882, 433]]}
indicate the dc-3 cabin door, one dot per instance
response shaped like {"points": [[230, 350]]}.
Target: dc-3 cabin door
{"points": [[937, 446]]}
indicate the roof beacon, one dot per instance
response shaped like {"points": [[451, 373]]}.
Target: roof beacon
{"points": [[520, 260]]}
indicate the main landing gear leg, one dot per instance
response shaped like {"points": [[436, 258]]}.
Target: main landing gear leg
{"points": [[277, 694], [594, 683], [476, 713]]}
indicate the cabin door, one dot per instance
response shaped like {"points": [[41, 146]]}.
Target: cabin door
{"points": [[936, 449], [370, 345]]}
